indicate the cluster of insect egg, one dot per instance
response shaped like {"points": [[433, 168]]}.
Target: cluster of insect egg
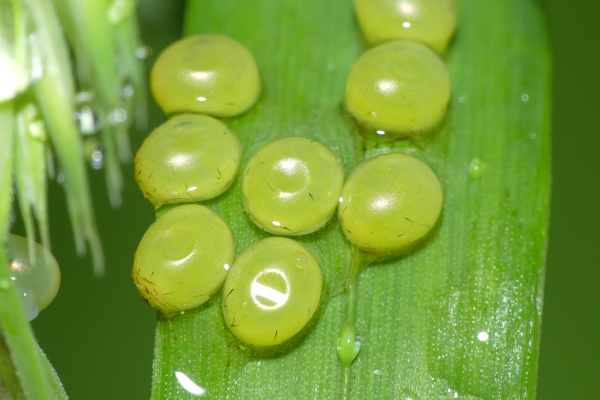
{"points": [[290, 187], [399, 88], [184, 256], [188, 253]]}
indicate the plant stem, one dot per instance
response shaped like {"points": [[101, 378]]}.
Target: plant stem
{"points": [[13, 325]]}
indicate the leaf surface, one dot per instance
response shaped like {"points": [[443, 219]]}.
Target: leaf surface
{"points": [[460, 317]]}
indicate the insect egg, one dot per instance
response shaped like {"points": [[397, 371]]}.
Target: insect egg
{"points": [[291, 186], [183, 258], [390, 203], [399, 88], [206, 74], [39, 281], [189, 158], [271, 292], [431, 22]]}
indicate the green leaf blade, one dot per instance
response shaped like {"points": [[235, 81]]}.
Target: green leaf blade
{"points": [[460, 317]]}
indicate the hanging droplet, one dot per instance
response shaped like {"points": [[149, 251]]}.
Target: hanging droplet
{"points": [[89, 121], [37, 130], [89, 116], [94, 153], [38, 281], [30, 305], [128, 91], [117, 116], [144, 52]]}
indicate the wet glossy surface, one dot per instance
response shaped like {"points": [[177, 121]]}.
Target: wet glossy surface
{"points": [[38, 282], [208, 74], [389, 203], [431, 22], [183, 258], [188, 158], [291, 186], [272, 291], [189, 385], [398, 89]]}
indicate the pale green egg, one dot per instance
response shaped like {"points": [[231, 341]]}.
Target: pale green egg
{"points": [[291, 186], [431, 22], [38, 279], [183, 258], [389, 204], [189, 158], [271, 292], [398, 89], [206, 74]]}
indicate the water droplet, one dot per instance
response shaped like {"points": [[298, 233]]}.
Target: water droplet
{"points": [[348, 343], [461, 99], [380, 132], [30, 305], [476, 168], [87, 120], [94, 153], [97, 159], [117, 116], [483, 336], [525, 97], [128, 91], [84, 97], [406, 25], [331, 66], [533, 135], [37, 130], [300, 260], [377, 372], [144, 52]]}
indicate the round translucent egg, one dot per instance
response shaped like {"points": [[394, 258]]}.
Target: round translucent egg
{"points": [[291, 186], [189, 158], [207, 74], [389, 203], [398, 89], [271, 292], [183, 258], [431, 22], [38, 279]]}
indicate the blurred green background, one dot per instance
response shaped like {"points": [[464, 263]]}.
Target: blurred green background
{"points": [[99, 334]]}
